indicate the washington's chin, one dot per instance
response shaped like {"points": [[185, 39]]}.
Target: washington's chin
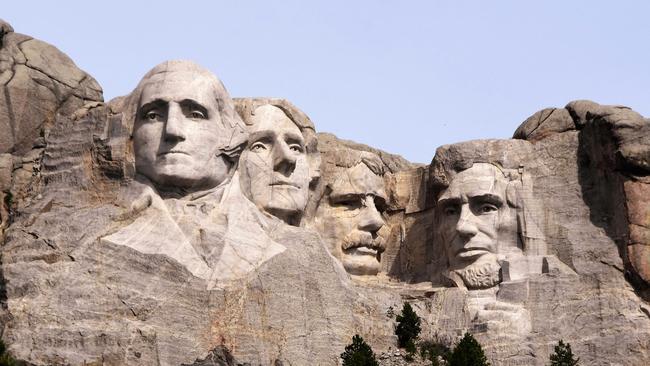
{"points": [[184, 176], [361, 261]]}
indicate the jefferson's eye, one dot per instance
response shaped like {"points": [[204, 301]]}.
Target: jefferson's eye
{"points": [[258, 146], [197, 115]]}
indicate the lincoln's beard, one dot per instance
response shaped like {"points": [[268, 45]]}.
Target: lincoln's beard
{"points": [[480, 275]]}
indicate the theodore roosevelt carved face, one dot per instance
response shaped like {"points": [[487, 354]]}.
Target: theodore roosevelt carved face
{"points": [[185, 127], [349, 217]]}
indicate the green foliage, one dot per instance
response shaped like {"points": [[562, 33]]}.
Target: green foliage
{"points": [[408, 326], [430, 350], [411, 349], [5, 358], [358, 353], [468, 352], [563, 355]]}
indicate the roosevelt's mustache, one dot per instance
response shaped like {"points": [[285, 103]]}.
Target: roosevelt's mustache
{"points": [[359, 238]]}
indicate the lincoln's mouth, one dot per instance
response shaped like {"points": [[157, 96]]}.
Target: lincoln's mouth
{"points": [[284, 184], [471, 252]]}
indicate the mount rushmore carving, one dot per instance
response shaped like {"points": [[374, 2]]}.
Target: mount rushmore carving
{"points": [[168, 224]]}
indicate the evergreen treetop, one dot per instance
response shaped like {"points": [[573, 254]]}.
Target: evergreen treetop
{"points": [[563, 356], [468, 352]]}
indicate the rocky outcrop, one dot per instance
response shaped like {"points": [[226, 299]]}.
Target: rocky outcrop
{"points": [[108, 260]]}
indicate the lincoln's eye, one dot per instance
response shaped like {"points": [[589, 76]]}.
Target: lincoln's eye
{"points": [[197, 115], [488, 207]]}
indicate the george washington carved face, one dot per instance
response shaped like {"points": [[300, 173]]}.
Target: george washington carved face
{"points": [[181, 130]]}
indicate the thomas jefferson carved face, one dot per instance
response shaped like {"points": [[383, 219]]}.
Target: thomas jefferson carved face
{"points": [[350, 219], [179, 131], [274, 167], [473, 212]]}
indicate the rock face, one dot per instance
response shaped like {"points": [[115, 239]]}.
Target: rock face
{"points": [[176, 225]]}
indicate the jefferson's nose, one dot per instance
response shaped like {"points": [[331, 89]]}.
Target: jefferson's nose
{"points": [[370, 219], [466, 225], [284, 160], [174, 123]]}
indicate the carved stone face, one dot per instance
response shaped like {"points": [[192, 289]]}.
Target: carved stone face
{"points": [[274, 167], [350, 220], [473, 211], [177, 132]]}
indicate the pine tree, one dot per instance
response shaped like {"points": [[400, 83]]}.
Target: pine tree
{"points": [[358, 353], [468, 352], [408, 326], [563, 355]]}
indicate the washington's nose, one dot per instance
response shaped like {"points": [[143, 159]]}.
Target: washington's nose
{"points": [[371, 219], [466, 226], [283, 159], [174, 124]]}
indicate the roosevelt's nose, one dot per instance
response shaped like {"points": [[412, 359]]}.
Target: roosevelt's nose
{"points": [[284, 161], [174, 124], [466, 225], [370, 219]]}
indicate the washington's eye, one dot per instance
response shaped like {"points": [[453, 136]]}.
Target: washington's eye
{"points": [[258, 146], [152, 115], [295, 147], [197, 115]]}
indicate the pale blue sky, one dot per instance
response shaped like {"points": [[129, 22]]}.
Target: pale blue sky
{"points": [[403, 76]]}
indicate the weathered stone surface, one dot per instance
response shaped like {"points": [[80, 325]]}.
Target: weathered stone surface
{"points": [[151, 230], [38, 82]]}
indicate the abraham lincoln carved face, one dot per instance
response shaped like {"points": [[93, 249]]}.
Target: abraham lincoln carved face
{"points": [[473, 215]]}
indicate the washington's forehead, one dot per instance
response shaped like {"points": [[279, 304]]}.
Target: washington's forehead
{"points": [[271, 118], [177, 88]]}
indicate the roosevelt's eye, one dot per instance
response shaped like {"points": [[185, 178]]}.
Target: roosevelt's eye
{"points": [[450, 210], [197, 115], [258, 146]]}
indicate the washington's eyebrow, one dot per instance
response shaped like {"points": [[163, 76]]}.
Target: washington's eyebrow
{"points": [[193, 104], [337, 197], [154, 104]]}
